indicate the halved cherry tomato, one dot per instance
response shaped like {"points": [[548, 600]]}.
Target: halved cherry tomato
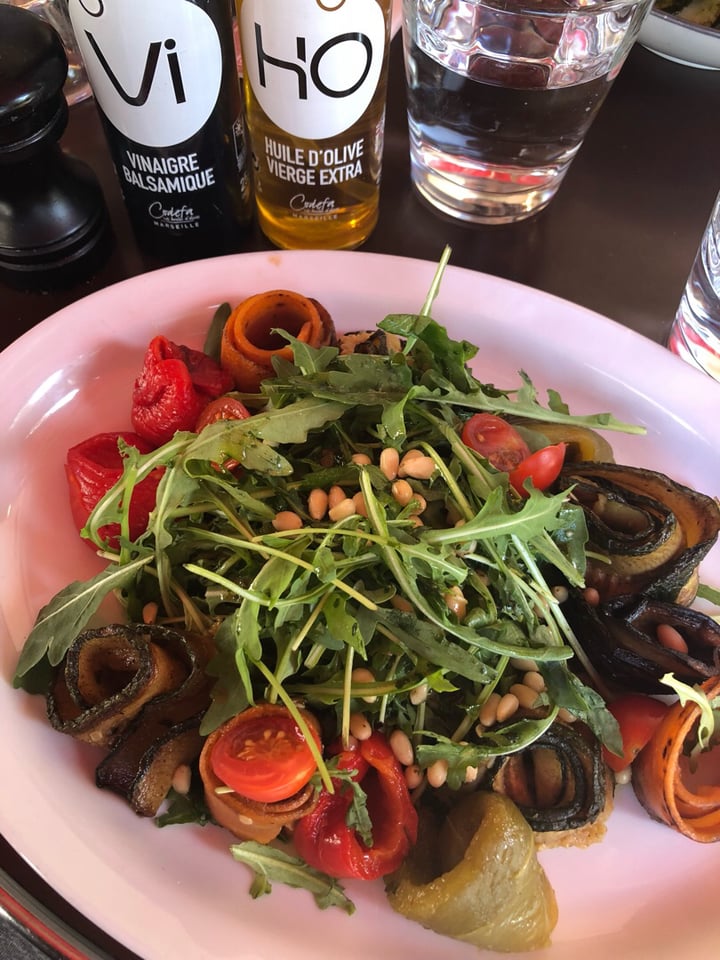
{"points": [[496, 440], [223, 408], [638, 717], [542, 467], [262, 754]]}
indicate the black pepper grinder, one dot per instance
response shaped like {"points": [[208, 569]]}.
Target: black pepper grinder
{"points": [[54, 227]]}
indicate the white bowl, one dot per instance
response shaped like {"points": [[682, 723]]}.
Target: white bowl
{"points": [[681, 41]]}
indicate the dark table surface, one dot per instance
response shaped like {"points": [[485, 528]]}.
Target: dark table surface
{"points": [[619, 238]]}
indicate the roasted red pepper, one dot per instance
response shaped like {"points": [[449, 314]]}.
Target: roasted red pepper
{"points": [[175, 385], [93, 466], [324, 839]]}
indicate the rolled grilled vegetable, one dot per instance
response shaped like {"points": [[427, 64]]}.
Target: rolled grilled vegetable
{"points": [[620, 638], [474, 876], [581, 443], [107, 677], [250, 342], [141, 691], [663, 781], [560, 786], [649, 532], [256, 770]]}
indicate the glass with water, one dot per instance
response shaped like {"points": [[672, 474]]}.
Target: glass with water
{"points": [[77, 86], [502, 92], [695, 333]]}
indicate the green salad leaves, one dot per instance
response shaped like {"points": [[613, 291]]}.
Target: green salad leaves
{"points": [[293, 611]]}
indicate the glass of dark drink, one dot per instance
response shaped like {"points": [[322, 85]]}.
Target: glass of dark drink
{"points": [[501, 94]]}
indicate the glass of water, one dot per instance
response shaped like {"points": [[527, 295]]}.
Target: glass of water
{"points": [[695, 333], [77, 86], [501, 94]]}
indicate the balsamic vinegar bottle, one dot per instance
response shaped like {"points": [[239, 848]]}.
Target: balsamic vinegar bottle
{"points": [[164, 75]]}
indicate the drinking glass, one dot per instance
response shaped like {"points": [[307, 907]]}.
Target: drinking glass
{"points": [[501, 94], [55, 12], [695, 333]]}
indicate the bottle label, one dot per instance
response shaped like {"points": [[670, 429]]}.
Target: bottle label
{"points": [[155, 69], [313, 65]]}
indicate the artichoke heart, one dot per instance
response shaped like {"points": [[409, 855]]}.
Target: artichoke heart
{"points": [[474, 875], [647, 533]]}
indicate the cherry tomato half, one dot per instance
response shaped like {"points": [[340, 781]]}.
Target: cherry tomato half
{"points": [[262, 753], [496, 440], [638, 717], [542, 467], [222, 408]]}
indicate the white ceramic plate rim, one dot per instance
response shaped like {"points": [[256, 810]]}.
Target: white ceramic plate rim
{"points": [[643, 892], [681, 41]]}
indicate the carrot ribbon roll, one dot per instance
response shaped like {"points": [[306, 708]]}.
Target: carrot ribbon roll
{"points": [[250, 341], [662, 779]]}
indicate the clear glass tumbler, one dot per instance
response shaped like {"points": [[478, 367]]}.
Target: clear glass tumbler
{"points": [[501, 94], [55, 12], [695, 333]]}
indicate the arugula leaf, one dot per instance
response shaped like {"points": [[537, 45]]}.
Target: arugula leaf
{"points": [[271, 865], [61, 620], [706, 724]]}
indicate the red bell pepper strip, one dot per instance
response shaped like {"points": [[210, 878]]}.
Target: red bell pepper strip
{"points": [[176, 383], [92, 467], [326, 842]]}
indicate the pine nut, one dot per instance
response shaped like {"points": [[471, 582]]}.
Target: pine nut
{"points": [[389, 461], [526, 696], [437, 773], [359, 503], [488, 711], [566, 716], [456, 602], [360, 726], [401, 604], [317, 503], [181, 779], [591, 596], [507, 707], [471, 774], [342, 510], [361, 459], [411, 454], [534, 680], [401, 746], [521, 663], [287, 520], [419, 504], [402, 492], [419, 468], [416, 520], [560, 593], [363, 675], [413, 776], [150, 612], [670, 638], [335, 495], [419, 694]]}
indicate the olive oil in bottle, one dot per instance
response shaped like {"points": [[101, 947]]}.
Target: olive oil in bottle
{"points": [[315, 81], [164, 75]]}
